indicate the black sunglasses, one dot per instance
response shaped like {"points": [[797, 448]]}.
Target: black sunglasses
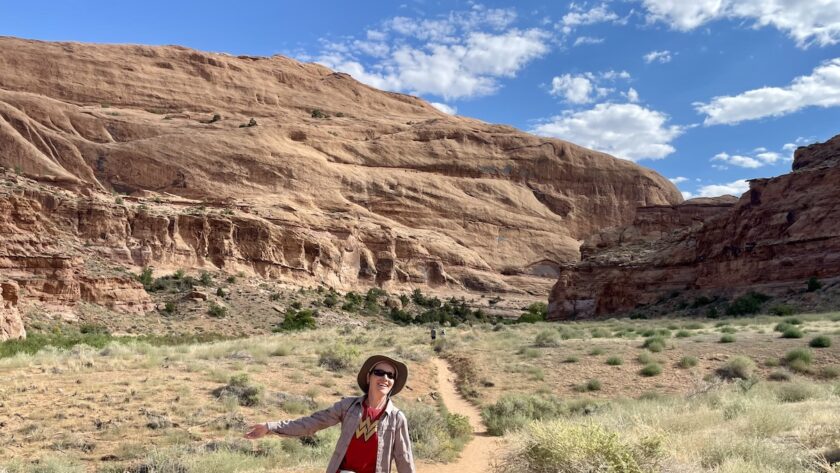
{"points": [[383, 373]]}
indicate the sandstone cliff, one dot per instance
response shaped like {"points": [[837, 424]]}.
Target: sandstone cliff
{"points": [[781, 232], [283, 169]]}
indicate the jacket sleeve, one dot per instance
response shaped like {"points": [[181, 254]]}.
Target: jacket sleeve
{"points": [[313, 423], [403, 455]]}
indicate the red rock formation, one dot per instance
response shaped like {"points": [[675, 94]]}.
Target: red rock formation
{"points": [[778, 234], [384, 190], [11, 325]]}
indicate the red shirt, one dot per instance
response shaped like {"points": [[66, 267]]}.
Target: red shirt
{"points": [[361, 453]]}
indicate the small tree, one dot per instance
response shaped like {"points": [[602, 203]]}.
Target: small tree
{"points": [[814, 284]]}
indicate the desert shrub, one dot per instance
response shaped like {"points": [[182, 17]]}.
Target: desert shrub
{"points": [[781, 327], [687, 362], [693, 326], [683, 334], [298, 320], [217, 310], [169, 307], [821, 341], [547, 338], [727, 338], [655, 344], [240, 388], [782, 310], [318, 113], [749, 303], [701, 301], [596, 352], [813, 284], [796, 392], [514, 411], [738, 367], [727, 329], [793, 321], [220, 292], [645, 358], [829, 372], [436, 436], [599, 333], [799, 354], [331, 300], [145, 278], [563, 447], [593, 385], [792, 332], [339, 357], [651, 369], [571, 359], [615, 361], [529, 352], [779, 375]]}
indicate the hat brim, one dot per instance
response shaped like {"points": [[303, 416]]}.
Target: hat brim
{"points": [[399, 382]]}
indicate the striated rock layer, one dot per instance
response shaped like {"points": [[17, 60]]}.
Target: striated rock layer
{"points": [[283, 169], [783, 231]]}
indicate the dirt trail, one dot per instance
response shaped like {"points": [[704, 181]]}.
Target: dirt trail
{"points": [[477, 454]]}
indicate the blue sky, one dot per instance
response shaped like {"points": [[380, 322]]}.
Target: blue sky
{"points": [[707, 92]]}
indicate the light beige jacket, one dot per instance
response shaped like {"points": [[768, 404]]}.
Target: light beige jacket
{"points": [[392, 433]]}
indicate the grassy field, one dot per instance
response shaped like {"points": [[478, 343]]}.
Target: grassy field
{"points": [[730, 395]]}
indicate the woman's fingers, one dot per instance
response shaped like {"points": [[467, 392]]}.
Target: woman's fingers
{"points": [[256, 431]]}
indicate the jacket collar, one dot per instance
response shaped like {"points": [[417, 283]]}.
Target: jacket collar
{"points": [[390, 408]]}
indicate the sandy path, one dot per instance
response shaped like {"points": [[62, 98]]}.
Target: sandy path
{"points": [[477, 454]]}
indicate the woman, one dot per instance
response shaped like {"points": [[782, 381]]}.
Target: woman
{"points": [[373, 431]]}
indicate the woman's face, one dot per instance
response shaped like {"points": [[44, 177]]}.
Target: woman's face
{"points": [[381, 384]]}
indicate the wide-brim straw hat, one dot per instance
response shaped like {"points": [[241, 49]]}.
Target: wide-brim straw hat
{"points": [[399, 381]]}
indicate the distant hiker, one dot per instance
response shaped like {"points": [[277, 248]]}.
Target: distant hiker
{"points": [[373, 431], [434, 334]]}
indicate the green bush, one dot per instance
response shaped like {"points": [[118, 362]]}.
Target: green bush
{"points": [[593, 385], [782, 309], [547, 338], [217, 310], [655, 344], [514, 411], [241, 388], [799, 354], [779, 375], [782, 326], [318, 113], [792, 332], [813, 284], [339, 358], [645, 358], [829, 372], [651, 369], [146, 278], [436, 436], [687, 362], [615, 361], [796, 392], [563, 447], [298, 320], [727, 338], [683, 334], [738, 367], [205, 279], [596, 352], [749, 303], [571, 359], [821, 341]]}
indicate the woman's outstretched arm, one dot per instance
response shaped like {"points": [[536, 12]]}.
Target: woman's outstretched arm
{"points": [[305, 425]]}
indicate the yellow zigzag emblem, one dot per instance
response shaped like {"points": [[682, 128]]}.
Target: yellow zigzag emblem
{"points": [[367, 428]]}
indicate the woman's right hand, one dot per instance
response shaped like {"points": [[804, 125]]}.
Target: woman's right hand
{"points": [[256, 431]]}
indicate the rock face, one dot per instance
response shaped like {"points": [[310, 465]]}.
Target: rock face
{"points": [[283, 169], [783, 231], [11, 325]]}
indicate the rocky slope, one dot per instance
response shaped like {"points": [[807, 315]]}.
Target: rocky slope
{"points": [[780, 233], [336, 182]]}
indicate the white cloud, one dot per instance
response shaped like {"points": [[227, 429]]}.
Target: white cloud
{"points": [[735, 188], [574, 89], [820, 89], [805, 21], [463, 54], [687, 195], [585, 88], [737, 160], [627, 131], [632, 95], [659, 56], [449, 110], [581, 40], [579, 17], [761, 157], [678, 180]]}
